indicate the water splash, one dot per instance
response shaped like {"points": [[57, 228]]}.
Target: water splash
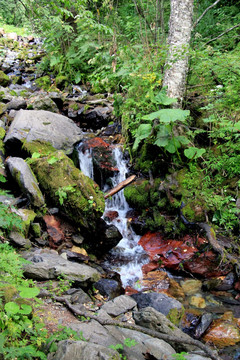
{"points": [[127, 257]]}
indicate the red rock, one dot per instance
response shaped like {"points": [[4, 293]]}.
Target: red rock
{"points": [[129, 290], [157, 281], [169, 252], [223, 332], [237, 286], [207, 265], [54, 230], [111, 215], [95, 142], [152, 265]]}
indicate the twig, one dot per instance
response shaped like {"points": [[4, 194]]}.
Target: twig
{"points": [[223, 33], [144, 330], [204, 13]]}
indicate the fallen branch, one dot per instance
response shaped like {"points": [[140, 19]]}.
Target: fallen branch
{"points": [[120, 186], [144, 330]]}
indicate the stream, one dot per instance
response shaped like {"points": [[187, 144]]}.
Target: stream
{"points": [[127, 258]]}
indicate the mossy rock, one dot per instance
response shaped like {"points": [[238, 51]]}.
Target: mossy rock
{"points": [[9, 292], [44, 82], [66, 187], [40, 147], [2, 133], [61, 82], [3, 108], [4, 79], [175, 315]]}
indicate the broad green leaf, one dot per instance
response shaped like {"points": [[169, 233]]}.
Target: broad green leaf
{"points": [[36, 155], [183, 140], [28, 293], [162, 99], [193, 153], [77, 77], [168, 115], [162, 137], [11, 307], [143, 131], [25, 309], [171, 147]]}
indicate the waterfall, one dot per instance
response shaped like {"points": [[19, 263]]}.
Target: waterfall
{"points": [[127, 257]]}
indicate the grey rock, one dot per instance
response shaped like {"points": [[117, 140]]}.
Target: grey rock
{"points": [[26, 180], [30, 125], [42, 102], [77, 239], [79, 297], [109, 287], [76, 350], [119, 305], [50, 265], [205, 321], [17, 104], [196, 357], [155, 320], [159, 301], [18, 239]]}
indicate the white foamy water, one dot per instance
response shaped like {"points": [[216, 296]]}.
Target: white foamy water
{"points": [[127, 257]]}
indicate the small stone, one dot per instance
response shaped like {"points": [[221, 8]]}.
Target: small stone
{"points": [[198, 302], [119, 305], [191, 287]]}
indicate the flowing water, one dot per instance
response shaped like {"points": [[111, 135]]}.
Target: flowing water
{"points": [[127, 257]]}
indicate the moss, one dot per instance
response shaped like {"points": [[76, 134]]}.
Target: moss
{"points": [[38, 146], [44, 82], [2, 133], [4, 79], [3, 108], [69, 189], [61, 82], [175, 315]]}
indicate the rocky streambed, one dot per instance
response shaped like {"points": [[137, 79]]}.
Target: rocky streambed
{"points": [[184, 294]]}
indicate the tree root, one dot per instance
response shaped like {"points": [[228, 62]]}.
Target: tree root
{"points": [[144, 330]]}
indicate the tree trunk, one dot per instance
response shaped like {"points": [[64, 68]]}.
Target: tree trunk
{"points": [[180, 27]]}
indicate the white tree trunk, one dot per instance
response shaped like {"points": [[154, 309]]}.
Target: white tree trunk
{"points": [[180, 27]]}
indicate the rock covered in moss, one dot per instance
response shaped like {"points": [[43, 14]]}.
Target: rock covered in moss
{"points": [[68, 188], [32, 125], [26, 180], [42, 102], [4, 79]]}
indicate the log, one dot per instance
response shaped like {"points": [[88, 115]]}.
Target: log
{"points": [[120, 186]]}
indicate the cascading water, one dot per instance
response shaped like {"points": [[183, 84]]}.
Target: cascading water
{"points": [[127, 257]]}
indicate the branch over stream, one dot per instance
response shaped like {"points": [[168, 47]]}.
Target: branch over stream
{"points": [[144, 330]]}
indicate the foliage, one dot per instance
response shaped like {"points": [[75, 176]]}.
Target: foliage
{"points": [[63, 191], [8, 219], [120, 347]]}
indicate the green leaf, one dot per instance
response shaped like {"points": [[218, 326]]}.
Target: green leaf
{"points": [[168, 115], [162, 99], [28, 293], [25, 309], [11, 307], [183, 140], [193, 152], [143, 131], [36, 155], [52, 160], [171, 147], [77, 77], [2, 179]]}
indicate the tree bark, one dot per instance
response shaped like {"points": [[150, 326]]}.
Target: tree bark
{"points": [[180, 27]]}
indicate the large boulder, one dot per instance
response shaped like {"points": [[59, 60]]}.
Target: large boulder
{"points": [[67, 188], [32, 125], [47, 265], [27, 182]]}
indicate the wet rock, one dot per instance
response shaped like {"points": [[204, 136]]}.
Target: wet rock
{"points": [[190, 321], [54, 231], [203, 325], [155, 320], [221, 283], [155, 280], [26, 180], [161, 302], [50, 265], [31, 125], [110, 215], [75, 350], [223, 332], [191, 287], [119, 305], [103, 164], [77, 239], [198, 302], [109, 287], [95, 118]]}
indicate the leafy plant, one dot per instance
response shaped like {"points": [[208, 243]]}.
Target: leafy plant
{"points": [[63, 191], [120, 347]]}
